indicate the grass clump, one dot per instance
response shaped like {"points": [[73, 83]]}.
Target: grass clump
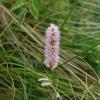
{"points": [[22, 33]]}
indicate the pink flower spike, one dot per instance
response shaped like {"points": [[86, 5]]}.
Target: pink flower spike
{"points": [[52, 46]]}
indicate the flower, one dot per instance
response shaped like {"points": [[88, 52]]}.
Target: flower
{"points": [[58, 96], [45, 81], [52, 46]]}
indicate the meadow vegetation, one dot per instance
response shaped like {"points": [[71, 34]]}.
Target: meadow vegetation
{"points": [[22, 34]]}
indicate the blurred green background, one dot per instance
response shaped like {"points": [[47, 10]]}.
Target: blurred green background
{"points": [[22, 34]]}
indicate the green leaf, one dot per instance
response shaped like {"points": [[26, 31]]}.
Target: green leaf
{"points": [[18, 4], [34, 7]]}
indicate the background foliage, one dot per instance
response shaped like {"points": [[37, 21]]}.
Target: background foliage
{"points": [[22, 33]]}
